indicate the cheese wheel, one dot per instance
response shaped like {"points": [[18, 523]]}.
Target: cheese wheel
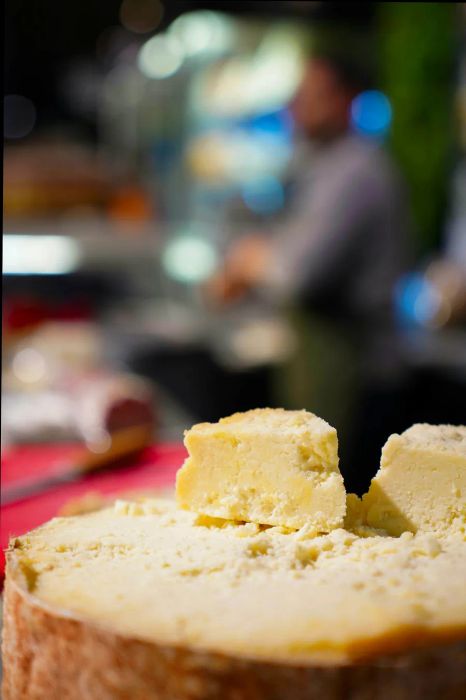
{"points": [[146, 601]]}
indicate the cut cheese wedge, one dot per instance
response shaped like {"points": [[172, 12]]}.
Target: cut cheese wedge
{"points": [[268, 466], [421, 483]]}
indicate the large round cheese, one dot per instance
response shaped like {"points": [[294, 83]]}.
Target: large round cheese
{"points": [[145, 601]]}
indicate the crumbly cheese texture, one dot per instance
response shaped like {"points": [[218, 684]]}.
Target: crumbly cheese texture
{"points": [[267, 466], [154, 572], [421, 483]]}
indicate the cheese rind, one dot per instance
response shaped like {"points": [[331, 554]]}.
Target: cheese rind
{"points": [[421, 483], [268, 466]]}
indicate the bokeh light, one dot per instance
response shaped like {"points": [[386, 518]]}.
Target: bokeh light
{"points": [[98, 440], [160, 57], [264, 195], [203, 31], [189, 259], [141, 16], [275, 71], [417, 301], [19, 116], [29, 366], [371, 113], [277, 125], [39, 255]]}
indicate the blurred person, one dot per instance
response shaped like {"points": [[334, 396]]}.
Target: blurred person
{"points": [[339, 253], [447, 273]]}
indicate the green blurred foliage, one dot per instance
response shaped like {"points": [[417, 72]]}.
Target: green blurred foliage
{"points": [[417, 45]]}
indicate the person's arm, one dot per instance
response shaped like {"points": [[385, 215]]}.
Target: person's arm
{"points": [[311, 256]]}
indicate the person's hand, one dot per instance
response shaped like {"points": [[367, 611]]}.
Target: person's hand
{"points": [[221, 289], [248, 259], [244, 268]]}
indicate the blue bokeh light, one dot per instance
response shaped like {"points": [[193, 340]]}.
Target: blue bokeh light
{"points": [[416, 300], [276, 125], [264, 196], [371, 113]]}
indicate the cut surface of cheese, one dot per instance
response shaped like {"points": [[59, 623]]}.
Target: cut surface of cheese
{"points": [[421, 483], [268, 466], [150, 571]]}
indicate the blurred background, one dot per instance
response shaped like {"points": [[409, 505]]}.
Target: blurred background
{"points": [[210, 207]]}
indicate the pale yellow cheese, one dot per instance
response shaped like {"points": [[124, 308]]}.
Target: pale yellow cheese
{"points": [[170, 576], [267, 466], [421, 483], [286, 590]]}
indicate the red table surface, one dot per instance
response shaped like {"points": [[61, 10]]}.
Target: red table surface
{"points": [[155, 468]]}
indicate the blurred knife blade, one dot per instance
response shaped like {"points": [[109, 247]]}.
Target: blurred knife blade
{"points": [[117, 446]]}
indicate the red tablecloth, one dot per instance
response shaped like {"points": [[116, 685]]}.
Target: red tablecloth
{"points": [[155, 468]]}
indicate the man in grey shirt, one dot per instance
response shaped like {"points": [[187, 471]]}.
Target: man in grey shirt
{"points": [[346, 241]]}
